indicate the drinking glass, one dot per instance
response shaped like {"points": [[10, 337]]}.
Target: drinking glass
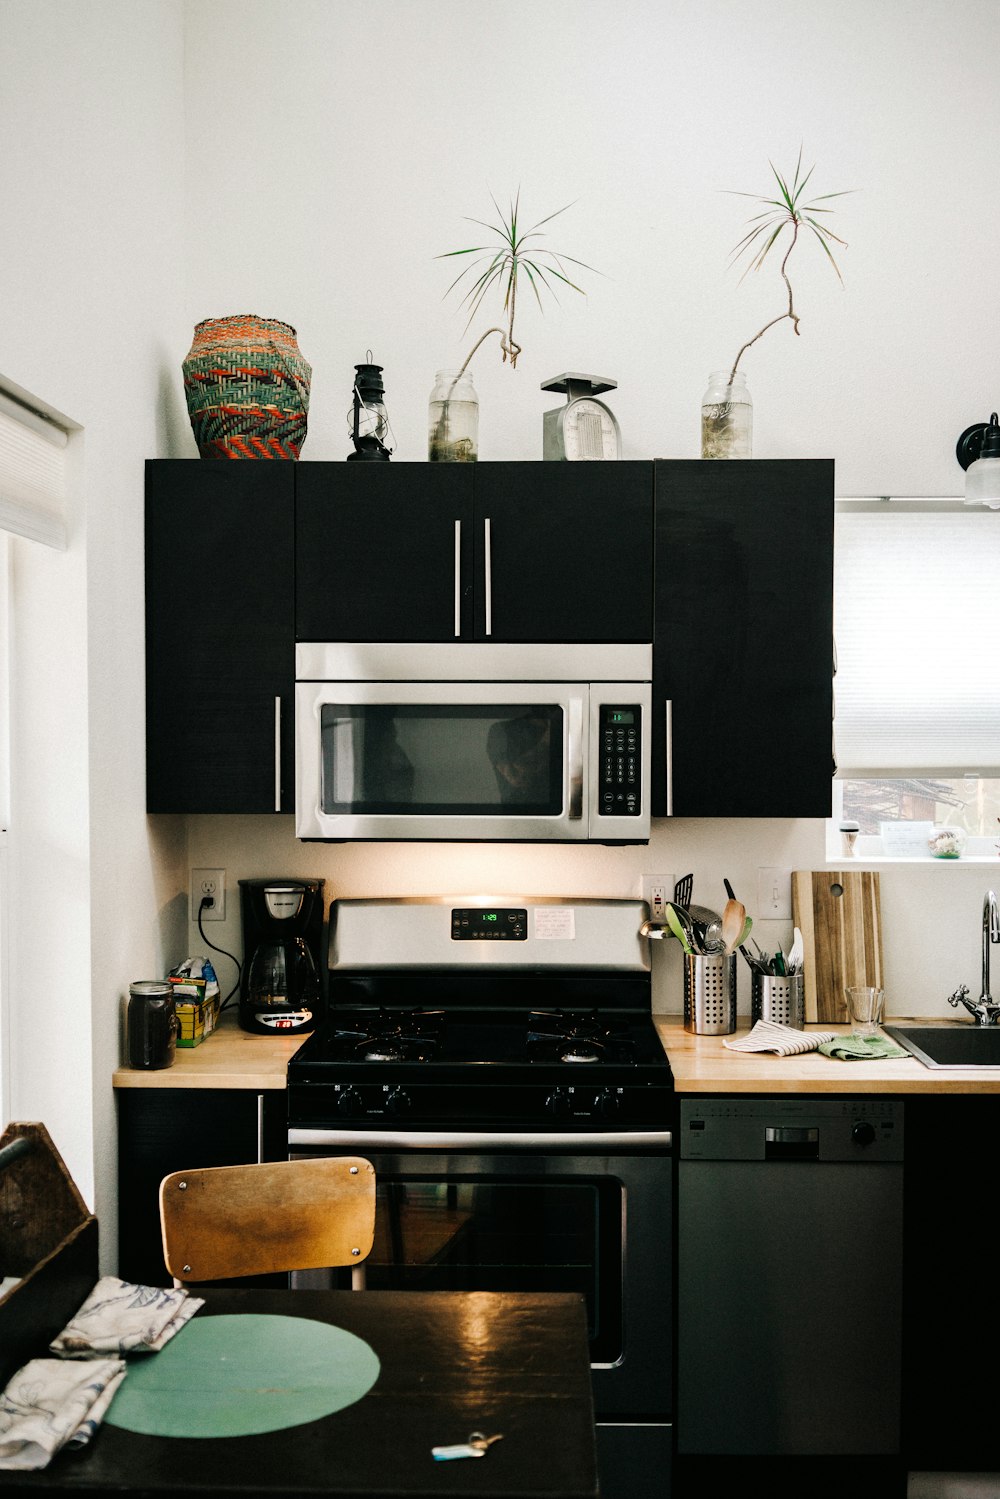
{"points": [[864, 1006]]}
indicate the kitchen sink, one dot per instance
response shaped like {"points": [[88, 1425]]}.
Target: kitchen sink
{"points": [[955, 1045]]}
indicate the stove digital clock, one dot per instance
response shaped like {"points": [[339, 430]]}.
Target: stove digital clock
{"points": [[495, 924]]}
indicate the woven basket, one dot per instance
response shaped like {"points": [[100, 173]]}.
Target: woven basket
{"points": [[247, 388]]}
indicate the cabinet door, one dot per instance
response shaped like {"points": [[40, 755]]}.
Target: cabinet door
{"points": [[564, 552], [383, 551], [220, 657], [743, 649], [161, 1130]]}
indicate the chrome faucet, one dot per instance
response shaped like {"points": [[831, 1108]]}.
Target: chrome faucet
{"points": [[985, 1011]]}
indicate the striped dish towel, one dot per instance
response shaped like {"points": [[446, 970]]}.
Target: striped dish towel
{"points": [[785, 1040]]}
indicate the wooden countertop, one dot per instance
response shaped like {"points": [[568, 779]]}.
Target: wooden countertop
{"points": [[232, 1058], [702, 1064]]}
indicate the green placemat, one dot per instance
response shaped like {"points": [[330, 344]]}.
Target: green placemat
{"points": [[231, 1376]]}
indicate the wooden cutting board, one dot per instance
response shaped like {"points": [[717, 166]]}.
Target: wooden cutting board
{"points": [[837, 912]]}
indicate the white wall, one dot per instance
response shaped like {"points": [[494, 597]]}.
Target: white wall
{"points": [[166, 162]]}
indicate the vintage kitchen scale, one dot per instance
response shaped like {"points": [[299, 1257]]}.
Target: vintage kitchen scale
{"points": [[585, 428]]}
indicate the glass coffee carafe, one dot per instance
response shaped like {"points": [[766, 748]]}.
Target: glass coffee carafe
{"points": [[283, 985]]}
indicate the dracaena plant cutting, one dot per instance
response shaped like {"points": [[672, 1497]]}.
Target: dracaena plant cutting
{"points": [[514, 256], [725, 420]]}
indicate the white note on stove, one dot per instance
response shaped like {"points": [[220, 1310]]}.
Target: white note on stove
{"points": [[555, 923]]}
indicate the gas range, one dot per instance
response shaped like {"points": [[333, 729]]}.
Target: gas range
{"points": [[509, 1015]]}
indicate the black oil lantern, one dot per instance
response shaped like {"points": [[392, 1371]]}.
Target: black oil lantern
{"points": [[367, 420]]}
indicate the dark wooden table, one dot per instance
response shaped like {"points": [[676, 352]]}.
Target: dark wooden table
{"points": [[451, 1363]]}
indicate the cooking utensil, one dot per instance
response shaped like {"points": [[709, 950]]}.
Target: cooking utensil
{"points": [[797, 952], [733, 921], [679, 923], [683, 889]]}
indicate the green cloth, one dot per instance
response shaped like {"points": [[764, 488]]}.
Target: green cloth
{"points": [[860, 1048], [228, 1376]]}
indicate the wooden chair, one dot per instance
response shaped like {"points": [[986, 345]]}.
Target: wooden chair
{"points": [[223, 1222]]}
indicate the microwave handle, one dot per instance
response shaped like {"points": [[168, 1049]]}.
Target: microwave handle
{"points": [[669, 757], [574, 759]]}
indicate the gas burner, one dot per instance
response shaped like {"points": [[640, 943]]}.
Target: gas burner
{"points": [[561, 1036], [581, 1052], [384, 1036], [381, 1051]]}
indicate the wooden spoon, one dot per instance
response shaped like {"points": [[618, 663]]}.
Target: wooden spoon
{"points": [[733, 921]]}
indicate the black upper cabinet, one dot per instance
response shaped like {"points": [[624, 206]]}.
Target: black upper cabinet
{"points": [[511, 552], [383, 551], [220, 646], [743, 652]]}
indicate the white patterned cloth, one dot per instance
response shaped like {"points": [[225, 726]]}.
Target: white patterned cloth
{"points": [[119, 1317], [785, 1040], [50, 1404]]}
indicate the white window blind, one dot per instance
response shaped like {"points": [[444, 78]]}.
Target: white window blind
{"points": [[33, 463], [917, 629]]}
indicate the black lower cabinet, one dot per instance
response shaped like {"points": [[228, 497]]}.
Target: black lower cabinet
{"points": [[951, 1330], [161, 1130]]}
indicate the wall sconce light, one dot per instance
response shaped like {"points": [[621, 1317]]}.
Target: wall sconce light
{"points": [[978, 452], [367, 420]]}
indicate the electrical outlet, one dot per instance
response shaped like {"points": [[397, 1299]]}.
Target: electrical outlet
{"points": [[210, 884], [657, 890], [774, 895]]}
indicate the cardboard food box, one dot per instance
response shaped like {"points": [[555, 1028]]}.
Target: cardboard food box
{"points": [[197, 1013]]}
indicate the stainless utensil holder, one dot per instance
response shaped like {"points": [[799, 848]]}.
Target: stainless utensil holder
{"points": [[782, 1000], [709, 994]]}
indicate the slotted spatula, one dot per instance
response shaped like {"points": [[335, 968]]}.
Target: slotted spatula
{"points": [[683, 889]]}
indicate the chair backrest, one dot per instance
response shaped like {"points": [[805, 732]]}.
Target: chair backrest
{"points": [[223, 1222]]}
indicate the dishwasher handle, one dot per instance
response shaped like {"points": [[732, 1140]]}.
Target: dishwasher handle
{"points": [[791, 1143]]}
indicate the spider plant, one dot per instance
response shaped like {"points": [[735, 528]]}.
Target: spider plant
{"points": [[790, 210]]}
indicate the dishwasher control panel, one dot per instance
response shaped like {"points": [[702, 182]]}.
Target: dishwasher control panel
{"points": [[856, 1129]]}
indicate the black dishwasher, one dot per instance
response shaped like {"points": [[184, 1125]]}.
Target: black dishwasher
{"points": [[790, 1243]]}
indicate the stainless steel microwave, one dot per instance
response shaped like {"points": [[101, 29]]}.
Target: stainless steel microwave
{"points": [[473, 742]]}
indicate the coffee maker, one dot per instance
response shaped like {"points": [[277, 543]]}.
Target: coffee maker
{"points": [[281, 990]]}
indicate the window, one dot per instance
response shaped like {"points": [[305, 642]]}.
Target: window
{"points": [[34, 444], [917, 689]]}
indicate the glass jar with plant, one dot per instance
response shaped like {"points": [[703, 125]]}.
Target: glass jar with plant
{"points": [[726, 412], [512, 257]]}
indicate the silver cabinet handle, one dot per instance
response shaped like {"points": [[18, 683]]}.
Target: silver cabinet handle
{"points": [[260, 1129], [277, 754], [574, 759], [669, 758], [488, 574], [458, 578]]}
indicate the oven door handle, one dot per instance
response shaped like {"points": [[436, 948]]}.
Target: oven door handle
{"points": [[361, 1139]]}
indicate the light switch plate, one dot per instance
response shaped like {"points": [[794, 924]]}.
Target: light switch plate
{"points": [[774, 895]]}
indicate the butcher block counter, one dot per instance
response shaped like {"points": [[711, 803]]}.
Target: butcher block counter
{"points": [[232, 1058]]}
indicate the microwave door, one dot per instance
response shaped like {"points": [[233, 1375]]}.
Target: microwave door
{"points": [[444, 760]]}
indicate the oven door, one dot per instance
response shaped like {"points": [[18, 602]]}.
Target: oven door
{"points": [[480, 1215], [442, 760]]}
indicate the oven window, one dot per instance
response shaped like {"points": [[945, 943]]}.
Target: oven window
{"points": [[484, 1235], [414, 759]]}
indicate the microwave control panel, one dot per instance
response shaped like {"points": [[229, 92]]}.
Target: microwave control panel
{"points": [[619, 732]]}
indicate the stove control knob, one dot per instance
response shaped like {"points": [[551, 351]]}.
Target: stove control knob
{"points": [[398, 1102], [607, 1103], [349, 1101], [862, 1132], [558, 1104]]}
